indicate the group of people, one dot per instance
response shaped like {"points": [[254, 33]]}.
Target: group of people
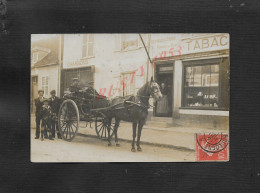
{"points": [[46, 116]]}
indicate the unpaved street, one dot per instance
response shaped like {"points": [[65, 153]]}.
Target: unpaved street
{"points": [[89, 149]]}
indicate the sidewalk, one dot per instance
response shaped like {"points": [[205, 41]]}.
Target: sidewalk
{"points": [[179, 137], [182, 138]]}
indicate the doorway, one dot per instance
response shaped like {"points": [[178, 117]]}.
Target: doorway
{"points": [[34, 92], [164, 77]]}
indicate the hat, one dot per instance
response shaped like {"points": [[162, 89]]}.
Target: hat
{"points": [[53, 92], [40, 91]]}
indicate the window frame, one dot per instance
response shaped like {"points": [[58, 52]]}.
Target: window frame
{"points": [[139, 43], [204, 62], [45, 85], [128, 81], [87, 46]]}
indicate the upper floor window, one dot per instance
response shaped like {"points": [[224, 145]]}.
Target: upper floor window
{"points": [[129, 41], [125, 42], [88, 45], [127, 84], [35, 57], [45, 85]]}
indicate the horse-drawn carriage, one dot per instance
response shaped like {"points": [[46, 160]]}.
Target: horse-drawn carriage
{"points": [[87, 105]]}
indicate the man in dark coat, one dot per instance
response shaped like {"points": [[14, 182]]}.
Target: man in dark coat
{"points": [[75, 87], [55, 106], [39, 104]]}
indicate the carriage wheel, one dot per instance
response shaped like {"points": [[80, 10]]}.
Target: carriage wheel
{"points": [[102, 124], [68, 120]]}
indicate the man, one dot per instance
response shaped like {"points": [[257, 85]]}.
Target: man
{"points": [[75, 87], [55, 106], [39, 104]]}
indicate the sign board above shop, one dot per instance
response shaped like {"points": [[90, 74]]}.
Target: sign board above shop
{"points": [[76, 63], [192, 44]]}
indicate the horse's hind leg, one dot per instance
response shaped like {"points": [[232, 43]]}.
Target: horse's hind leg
{"points": [[108, 133], [140, 127], [134, 135], [115, 130]]}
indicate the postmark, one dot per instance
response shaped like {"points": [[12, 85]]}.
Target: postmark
{"points": [[212, 147]]}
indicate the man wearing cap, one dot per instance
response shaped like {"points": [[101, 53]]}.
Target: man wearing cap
{"points": [[55, 106], [75, 87], [39, 103]]}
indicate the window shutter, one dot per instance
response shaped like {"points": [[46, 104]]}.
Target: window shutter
{"points": [[84, 51], [117, 42]]}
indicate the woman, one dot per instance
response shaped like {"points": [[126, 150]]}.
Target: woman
{"points": [[163, 105]]}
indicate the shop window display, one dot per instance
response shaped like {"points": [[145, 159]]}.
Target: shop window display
{"points": [[201, 86]]}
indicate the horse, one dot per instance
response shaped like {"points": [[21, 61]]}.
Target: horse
{"points": [[134, 109]]}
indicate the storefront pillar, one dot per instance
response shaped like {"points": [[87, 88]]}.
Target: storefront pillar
{"points": [[177, 82]]}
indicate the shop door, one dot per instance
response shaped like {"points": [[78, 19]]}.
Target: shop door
{"points": [[164, 76], [85, 75], [34, 92]]}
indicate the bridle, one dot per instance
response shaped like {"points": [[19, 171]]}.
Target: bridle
{"points": [[151, 93]]}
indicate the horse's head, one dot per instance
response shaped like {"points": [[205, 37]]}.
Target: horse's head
{"points": [[154, 90]]}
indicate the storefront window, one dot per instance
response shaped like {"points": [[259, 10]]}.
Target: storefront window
{"points": [[202, 85]]}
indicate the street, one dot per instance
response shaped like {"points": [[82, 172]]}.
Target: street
{"points": [[91, 149]]}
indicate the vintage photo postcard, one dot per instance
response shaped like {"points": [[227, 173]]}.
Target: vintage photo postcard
{"points": [[130, 97]]}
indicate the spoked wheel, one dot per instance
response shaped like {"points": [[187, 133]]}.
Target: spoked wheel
{"points": [[68, 120], [102, 124]]}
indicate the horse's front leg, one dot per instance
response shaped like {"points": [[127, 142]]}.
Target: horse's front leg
{"points": [[139, 132], [134, 135]]}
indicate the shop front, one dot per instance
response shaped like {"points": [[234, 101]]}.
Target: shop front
{"points": [[84, 74], [197, 83]]}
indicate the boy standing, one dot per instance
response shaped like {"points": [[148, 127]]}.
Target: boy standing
{"points": [[46, 116]]}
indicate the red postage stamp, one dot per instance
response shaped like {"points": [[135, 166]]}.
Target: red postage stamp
{"points": [[212, 147]]}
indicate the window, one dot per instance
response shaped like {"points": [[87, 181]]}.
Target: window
{"points": [[45, 85], [129, 41], [206, 84], [88, 45], [127, 84], [35, 57]]}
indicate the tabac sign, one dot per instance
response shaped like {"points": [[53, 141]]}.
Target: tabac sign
{"points": [[190, 45], [216, 42]]}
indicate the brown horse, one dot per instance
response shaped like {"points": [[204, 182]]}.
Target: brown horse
{"points": [[134, 109]]}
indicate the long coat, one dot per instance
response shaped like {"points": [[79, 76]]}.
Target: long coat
{"points": [[38, 105], [55, 105]]}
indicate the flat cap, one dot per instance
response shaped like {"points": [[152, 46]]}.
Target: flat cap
{"points": [[53, 92], [40, 91]]}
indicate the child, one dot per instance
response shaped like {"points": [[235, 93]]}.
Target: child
{"points": [[46, 119]]}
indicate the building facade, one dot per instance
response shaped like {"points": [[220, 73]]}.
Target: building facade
{"points": [[105, 61], [45, 67], [193, 68], [196, 69]]}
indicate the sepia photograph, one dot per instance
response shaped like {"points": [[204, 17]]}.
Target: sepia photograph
{"points": [[147, 97]]}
